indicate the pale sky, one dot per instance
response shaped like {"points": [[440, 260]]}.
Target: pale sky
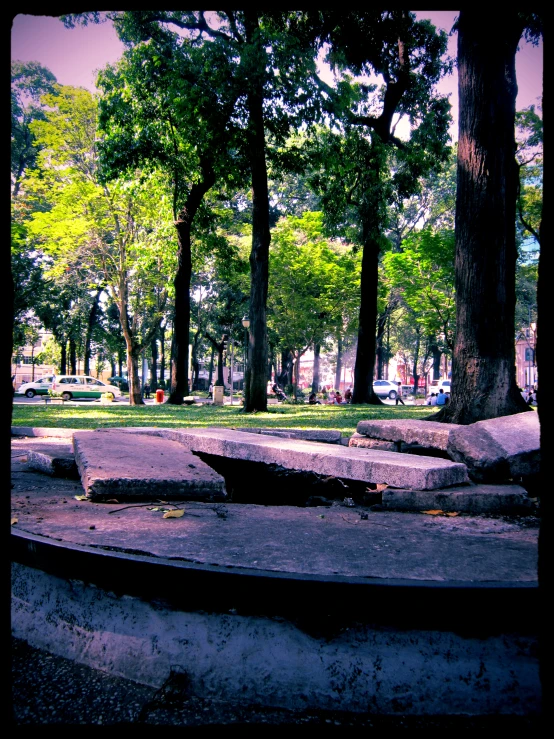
{"points": [[74, 55]]}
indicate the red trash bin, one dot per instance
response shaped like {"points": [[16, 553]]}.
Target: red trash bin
{"points": [[159, 396]]}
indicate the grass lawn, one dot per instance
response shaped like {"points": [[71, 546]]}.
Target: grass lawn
{"points": [[90, 416]]}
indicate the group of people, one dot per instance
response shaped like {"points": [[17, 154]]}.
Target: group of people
{"points": [[440, 398]]}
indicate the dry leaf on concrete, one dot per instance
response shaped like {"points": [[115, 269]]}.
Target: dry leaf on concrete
{"points": [[174, 514], [80, 497], [433, 512], [14, 520]]}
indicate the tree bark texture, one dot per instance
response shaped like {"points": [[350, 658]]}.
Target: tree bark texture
{"points": [[256, 386], [181, 319], [365, 350], [92, 320], [338, 369], [315, 378], [483, 378]]}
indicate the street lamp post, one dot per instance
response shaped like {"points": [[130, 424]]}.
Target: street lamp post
{"points": [[246, 324]]}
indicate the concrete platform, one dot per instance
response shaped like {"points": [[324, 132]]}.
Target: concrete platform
{"points": [[365, 465], [330, 607], [113, 464]]}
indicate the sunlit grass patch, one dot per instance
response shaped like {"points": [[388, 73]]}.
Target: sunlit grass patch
{"points": [[340, 418]]}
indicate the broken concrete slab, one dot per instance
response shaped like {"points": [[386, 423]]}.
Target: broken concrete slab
{"points": [[474, 499], [115, 465], [367, 465], [499, 448], [57, 460], [365, 442], [411, 431], [322, 435]]}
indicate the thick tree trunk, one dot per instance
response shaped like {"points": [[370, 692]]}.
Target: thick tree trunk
{"points": [[181, 318], [92, 319], [437, 356], [135, 394], [315, 378], [256, 385], [72, 356], [365, 351], [63, 357], [483, 378]]}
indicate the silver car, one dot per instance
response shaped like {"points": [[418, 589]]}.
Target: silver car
{"points": [[385, 389]]}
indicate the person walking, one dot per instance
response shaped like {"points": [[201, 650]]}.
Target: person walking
{"points": [[399, 394], [211, 390], [146, 391]]}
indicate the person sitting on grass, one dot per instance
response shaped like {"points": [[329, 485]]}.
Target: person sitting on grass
{"points": [[338, 398], [441, 398]]}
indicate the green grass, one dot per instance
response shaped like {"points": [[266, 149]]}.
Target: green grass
{"points": [[340, 418]]}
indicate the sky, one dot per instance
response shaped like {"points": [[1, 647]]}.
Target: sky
{"points": [[74, 55]]}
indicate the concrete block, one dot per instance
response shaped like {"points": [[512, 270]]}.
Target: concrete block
{"points": [[364, 442], [499, 448], [141, 467], [473, 499], [410, 431]]}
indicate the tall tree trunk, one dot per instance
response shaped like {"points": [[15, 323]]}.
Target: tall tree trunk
{"points": [[72, 356], [484, 379], [211, 371], [380, 342], [162, 355], [338, 368], [437, 356], [92, 320], [315, 378], [365, 350], [154, 368], [63, 357], [256, 385], [181, 318]]}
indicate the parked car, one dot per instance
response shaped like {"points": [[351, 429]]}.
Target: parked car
{"points": [[120, 382], [38, 387], [385, 389], [82, 386]]}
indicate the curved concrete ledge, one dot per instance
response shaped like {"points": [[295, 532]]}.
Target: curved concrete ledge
{"points": [[281, 639], [294, 608]]}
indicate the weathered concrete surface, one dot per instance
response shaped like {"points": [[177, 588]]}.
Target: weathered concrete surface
{"points": [[260, 656], [498, 449], [115, 465], [50, 455], [365, 442], [425, 433], [475, 499], [272, 661], [321, 435], [367, 465]]}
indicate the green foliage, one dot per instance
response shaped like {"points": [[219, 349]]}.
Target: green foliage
{"points": [[314, 283], [423, 274]]}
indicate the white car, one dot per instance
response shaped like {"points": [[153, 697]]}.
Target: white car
{"points": [[82, 386], [385, 389], [38, 387]]}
